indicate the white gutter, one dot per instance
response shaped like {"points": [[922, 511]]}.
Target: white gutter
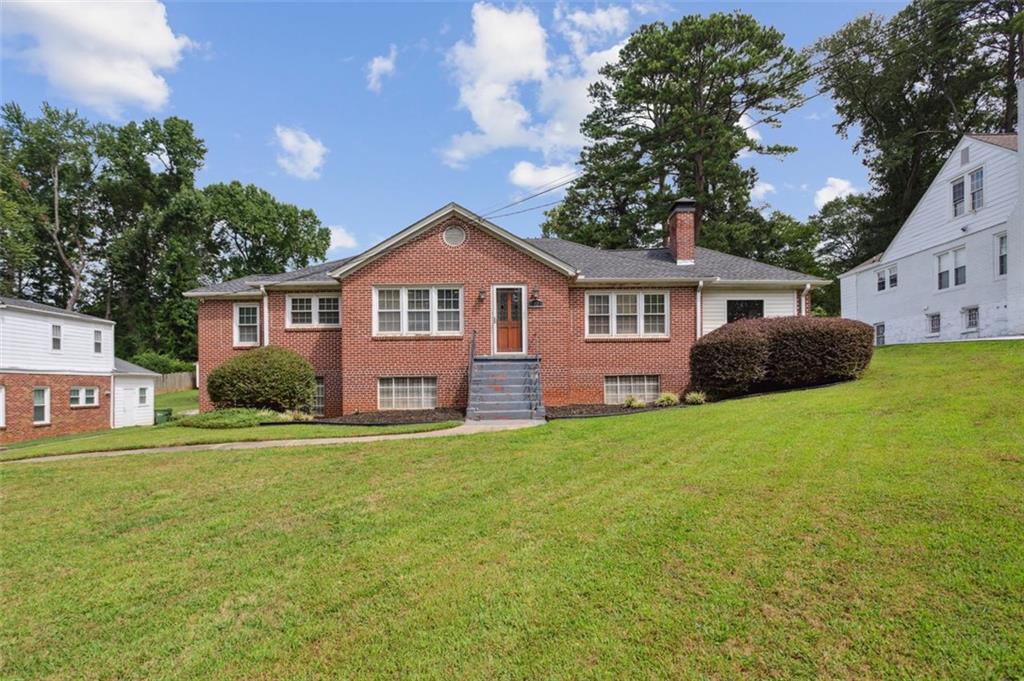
{"points": [[803, 301], [266, 316], [700, 309]]}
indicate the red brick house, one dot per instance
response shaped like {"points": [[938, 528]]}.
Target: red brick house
{"points": [[454, 311], [59, 375]]}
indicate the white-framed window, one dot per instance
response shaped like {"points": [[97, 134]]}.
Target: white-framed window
{"points": [[618, 388], [55, 337], [407, 392], [627, 313], [247, 324], [307, 309], [977, 189], [880, 334], [952, 268], [1002, 254], [970, 318], [84, 396], [886, 278], [3, 406], [958, 197], [934, 326], [318, 397], [417, 311], [143, 396], [97, 342], [40, 406]]}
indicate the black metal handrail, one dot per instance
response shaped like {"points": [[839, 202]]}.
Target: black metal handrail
{"points": [[535, 377]]}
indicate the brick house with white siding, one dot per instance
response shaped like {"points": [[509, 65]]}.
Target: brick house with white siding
{"points": [[454, 311], [59, 375]]}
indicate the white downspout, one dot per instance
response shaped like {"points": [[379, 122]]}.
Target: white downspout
{"points": [[803, 300], [700, 309], [266, 316]]}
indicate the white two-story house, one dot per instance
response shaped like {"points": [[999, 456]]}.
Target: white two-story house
{"points": [[59, 375], [955, 269]]}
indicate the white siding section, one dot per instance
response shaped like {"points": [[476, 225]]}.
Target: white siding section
{"points": [[932, 222], [25, 343], [127, 410], [777, 303], [932, 229]]}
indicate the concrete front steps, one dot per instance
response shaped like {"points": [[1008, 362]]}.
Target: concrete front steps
{"points": [[505, 388]]}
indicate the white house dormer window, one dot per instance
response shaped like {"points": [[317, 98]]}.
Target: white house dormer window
{"points": [[55, 337], [97, 342], [977, 189], [886, 278], [958, 197], [247, 324]]}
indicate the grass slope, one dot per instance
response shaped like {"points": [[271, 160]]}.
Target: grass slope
{"points": [[856, 531], [180, 401], [169, 434]]}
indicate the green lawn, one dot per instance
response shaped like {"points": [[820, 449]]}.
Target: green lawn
{"points": [[174, 434], [866, 530], [179, 401]]}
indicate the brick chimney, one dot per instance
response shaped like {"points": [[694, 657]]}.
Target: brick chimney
{"points": [[681, 231]]}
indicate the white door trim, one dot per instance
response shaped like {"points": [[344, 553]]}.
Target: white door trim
{"points": [[494, 318]]}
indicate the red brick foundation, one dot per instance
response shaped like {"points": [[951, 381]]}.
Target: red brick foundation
{"points": [[64, 419]]}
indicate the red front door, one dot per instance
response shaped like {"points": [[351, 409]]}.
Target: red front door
{"points": [[509, 319]]}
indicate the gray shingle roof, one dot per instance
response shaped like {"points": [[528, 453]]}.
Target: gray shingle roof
{"points": [[1006, 140], [314, 274], [123, 367], [657, 264], [40, 307]]}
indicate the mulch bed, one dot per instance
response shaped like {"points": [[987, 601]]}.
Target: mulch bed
{"points": [[395, 418], [578, 411]]}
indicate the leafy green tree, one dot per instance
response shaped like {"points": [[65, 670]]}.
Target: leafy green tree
{"points": [[668, 121], [909, 87], [255, 233], [17, 230]]}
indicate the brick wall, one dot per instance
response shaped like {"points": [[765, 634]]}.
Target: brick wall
{"points": [[320, 347], [64, 419]]}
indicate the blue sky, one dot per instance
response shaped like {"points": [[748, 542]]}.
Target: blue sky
{"points": [[374, 115]]}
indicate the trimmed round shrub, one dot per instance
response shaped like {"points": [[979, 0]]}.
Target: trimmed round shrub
{"points": [[270, 377], [780, 352], [730, 360]]}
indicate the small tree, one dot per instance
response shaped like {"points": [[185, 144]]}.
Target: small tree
{"points": [[266, 378]]}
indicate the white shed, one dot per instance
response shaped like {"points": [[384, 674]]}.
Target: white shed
{"points": [[134, 395]]}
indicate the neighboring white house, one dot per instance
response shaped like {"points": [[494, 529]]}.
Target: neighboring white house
{"points": [[58, 374], [955, 269]]}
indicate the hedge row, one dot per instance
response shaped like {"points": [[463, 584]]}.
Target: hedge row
{"points": [[160, 363], [757, 355]]}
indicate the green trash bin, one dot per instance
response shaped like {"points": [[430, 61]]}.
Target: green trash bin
{"points": [[162, 416]]}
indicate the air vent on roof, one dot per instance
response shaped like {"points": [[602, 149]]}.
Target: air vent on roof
{"points": [[965, 156]]}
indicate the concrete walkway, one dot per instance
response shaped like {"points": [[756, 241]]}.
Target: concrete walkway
{"points": [[467, 428]]}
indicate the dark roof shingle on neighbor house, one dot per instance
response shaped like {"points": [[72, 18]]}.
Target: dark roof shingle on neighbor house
{"points": [[124, 367], [32, 306], [314, 274], [1006, 140]]}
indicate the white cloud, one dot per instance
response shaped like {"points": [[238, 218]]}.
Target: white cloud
{"points": [[529, 176], [106, 55], [380, 67], [762, 190], [835, 188], [341, 239], [301, 156], [508, 58]]}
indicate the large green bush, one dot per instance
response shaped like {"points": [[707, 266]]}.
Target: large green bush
{"points": [[781, 352], [160, 363], [270, 377], [730, 360]]}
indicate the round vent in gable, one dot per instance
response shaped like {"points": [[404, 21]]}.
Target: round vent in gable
{"points": [[454, 236]]}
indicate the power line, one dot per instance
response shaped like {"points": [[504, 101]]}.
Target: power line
{"points": [[527, 210]]}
